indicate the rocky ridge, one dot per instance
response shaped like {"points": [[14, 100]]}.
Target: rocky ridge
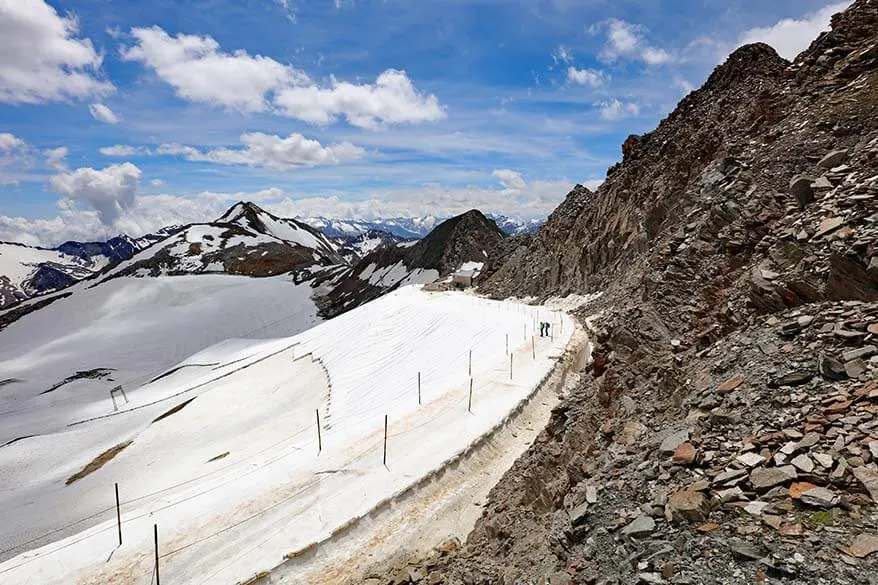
{"points": [[726, 430]]}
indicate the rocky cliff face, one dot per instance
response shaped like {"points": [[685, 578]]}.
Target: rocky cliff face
{"points": [[464, 238], [727, 429]]}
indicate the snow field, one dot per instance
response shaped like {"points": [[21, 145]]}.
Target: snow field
{"points": [[272, 495]]}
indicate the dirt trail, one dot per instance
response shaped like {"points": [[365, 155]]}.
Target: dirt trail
{"points": [[447, 506]]}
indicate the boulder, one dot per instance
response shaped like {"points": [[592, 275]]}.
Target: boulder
{"points": [[639, 527], [687, 505], [800, 188], [833, 159], [765, 478]]}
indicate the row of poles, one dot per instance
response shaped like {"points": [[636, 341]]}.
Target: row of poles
{"points": [[469, 409]]}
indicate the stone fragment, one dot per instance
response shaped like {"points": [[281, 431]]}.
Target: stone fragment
{"points": [[756, 507], [792, 434], [579, 514], [685, 454], [650, 578], [862, 352], [831, 369], [672, 441], [729, 385], [591, 494], [734, 494], [803, 463], [819, 497], [709, 527], [828, 225], [765, 478], [687, 505], [873, 449], [822, 184], [823, 459], [855, 368], [792, 529], [800, 189], [808, 441], [750, 459], [833, 159], [800, 487], [729, 476], [862, 546], [745, 551], [791, 379], [639, 527], [869, 479], [840, 470]]}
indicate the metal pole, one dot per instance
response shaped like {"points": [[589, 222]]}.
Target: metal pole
{"points": [[385, 440], [470, 362], [507, 344], [510, 366], [118, 515], [533, 346], [319, 436], [158, 580], [469, 408], [419, 388]]}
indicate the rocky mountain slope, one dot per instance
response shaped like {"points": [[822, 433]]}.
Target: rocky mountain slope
{"points": [[246, 240], [412, 228], [727, 428], [28, 271], [454, 242]]}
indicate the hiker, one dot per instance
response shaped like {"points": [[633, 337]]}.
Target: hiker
{"points": [[547, 328], [542, 328]]}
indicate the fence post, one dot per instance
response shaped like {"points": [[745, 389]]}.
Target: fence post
{"points": [[319, 436], [385, 440], [118, 515], [158, 580]]}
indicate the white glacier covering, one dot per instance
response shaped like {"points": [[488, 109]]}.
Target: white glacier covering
{"points": [[253, 405]]}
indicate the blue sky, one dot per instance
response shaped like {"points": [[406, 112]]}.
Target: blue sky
{"points": [[124, 116]]}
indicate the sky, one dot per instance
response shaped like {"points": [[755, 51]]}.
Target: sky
{"points": [[127, 116]]}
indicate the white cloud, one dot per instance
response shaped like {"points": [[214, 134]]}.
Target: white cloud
{"points": [[10, 142], [56, 158], [41, 58], [109, 191], [562, 55], [616, 110], [791, 36], [684, 84], [627, 41], [123, 150], [103, 113], [509, 179], [156, 182], [590, 77], [199, 71], [392, 99], [270, 151]]}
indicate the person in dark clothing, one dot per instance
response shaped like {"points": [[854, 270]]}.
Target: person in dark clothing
{"points": [[547, 324]]}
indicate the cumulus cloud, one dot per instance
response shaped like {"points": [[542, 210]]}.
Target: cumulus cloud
{"points": [[56, 158], [392, 99], [628, 41], [109, 191], [509, 179], [270, 151], [562, 55], [41, 57], [590, 77], [791, 36], [199, 71], [103, 113], [10, 142], [616, 110], [15, 154]]}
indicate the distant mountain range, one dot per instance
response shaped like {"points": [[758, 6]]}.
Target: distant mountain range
{"points": [[245, 240], [413, 227]]}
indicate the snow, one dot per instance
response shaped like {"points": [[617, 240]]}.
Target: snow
{"points": [[137, 327], [223, 521], [19, 262], [473, 266], [288, 232]]}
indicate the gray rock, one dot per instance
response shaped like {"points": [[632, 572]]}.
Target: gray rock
{"points": [[819, 497], [745, 551], [808, 441], [579, 514], [833, 159], [831, 368], [855, 368], [800, 188], [639, 527], [730, 476], [803, 463], [862, 352], [766, 478], [869, 479], [822, 184], [672, 441]]}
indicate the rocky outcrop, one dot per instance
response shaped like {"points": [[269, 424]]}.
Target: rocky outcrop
{"points": [[732, 397], [464, 238]]}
